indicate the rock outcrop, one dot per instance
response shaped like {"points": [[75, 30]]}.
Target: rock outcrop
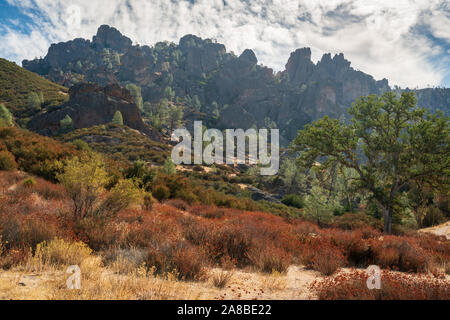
{"points": [[247, 94], [110, 38], [89, 105], [258, 194]]}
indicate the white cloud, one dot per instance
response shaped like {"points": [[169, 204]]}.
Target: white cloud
{"points": [[378, 37]]}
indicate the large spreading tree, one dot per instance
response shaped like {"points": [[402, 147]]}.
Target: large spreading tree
{"points": [[389, 142]]}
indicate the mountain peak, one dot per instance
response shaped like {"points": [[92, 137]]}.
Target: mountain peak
{"points": [[110, 37], [299, 65], [248, 55]]}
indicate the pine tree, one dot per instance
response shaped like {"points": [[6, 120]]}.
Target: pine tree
{"points": [[66, 125], [137, 95], [169, 167], [34, 101], [175, 116], [117, 119], [5, 116]]}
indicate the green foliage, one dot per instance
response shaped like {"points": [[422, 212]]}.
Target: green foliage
{"points": [[116, 58], [33, 102], [137, 95], [141, 173], [293, 200], [5, 116], [318, 206], [148, 109], [196, 104], [7, 161], [81, 145], [389, 142], [292, 176], [160, 114], [168, 167], [124, 194], [117, 119], [169, 94], [29, 182], [175, 116], [85, 180], [65, 125], [17, 84]]}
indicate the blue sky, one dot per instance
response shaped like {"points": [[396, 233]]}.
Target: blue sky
{"points": [[406, 41]]}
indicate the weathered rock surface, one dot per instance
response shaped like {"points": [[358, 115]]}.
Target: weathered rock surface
{"points": [[247, 94], [91, 104], [258, 194]]}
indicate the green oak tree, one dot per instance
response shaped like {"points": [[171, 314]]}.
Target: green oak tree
{"points": [[389, 142]]}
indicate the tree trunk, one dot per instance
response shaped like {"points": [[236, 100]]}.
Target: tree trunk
{"points": [[387, 221]]}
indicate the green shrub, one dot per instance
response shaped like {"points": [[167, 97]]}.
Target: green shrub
{"points": [[117, 119], [5, 116], [29, 182], [7, 161], [293, 200], [81, 145], [123, 195]]}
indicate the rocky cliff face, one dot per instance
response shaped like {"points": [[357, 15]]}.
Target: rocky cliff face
{"points": [[89, 105], [245, 92], [434, 99]]}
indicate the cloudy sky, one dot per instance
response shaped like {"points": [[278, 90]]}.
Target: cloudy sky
{"points": [[406, 41]]}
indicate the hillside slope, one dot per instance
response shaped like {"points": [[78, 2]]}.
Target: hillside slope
{"points": [[16, 85]]}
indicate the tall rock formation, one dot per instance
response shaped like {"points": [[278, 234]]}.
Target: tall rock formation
{"points": [[247, 94], [89, 105]]}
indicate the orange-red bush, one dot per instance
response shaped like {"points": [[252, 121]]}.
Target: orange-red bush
{"points": [[186, 262], [394, 286], [269, 258]]}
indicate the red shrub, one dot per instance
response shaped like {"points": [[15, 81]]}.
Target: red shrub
{"points": [[352, 245], [327, 260], [27, 231], [304, 229], [177, 203], [185, 261], [354, 221], [394, 286], [268, 258], [14, 257], [209, 212], [399, 254]]}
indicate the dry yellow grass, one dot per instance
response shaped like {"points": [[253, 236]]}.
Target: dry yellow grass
{"points": [[119, 281]]}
